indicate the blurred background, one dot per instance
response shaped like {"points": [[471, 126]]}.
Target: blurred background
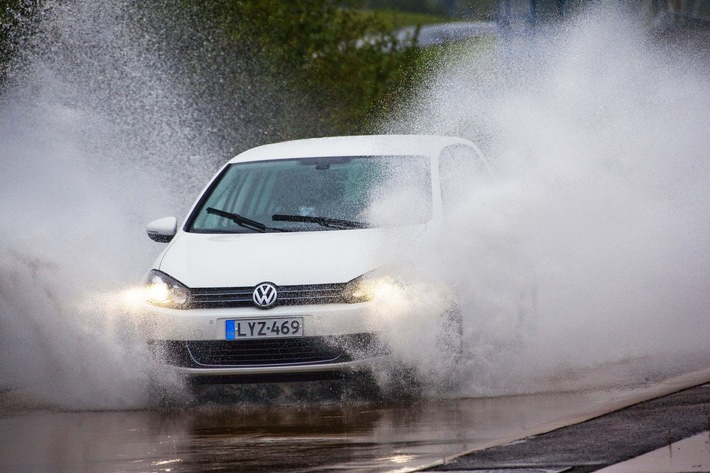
{"points": [[318, 67]]}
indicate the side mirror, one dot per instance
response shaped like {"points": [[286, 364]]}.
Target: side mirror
{"points": [[162, 230]]}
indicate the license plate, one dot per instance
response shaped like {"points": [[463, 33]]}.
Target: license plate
{"points": [[264, 328]]}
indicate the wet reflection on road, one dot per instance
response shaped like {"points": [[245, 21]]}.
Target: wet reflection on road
{"points": [[252, 429], [303, 436]]}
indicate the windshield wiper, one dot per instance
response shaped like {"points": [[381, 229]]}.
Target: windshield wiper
{"points": [[322, 221], [242, 221]]}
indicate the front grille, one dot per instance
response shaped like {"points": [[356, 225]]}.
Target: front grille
{"points": [[265, 352], [287, 295], [269, 352]]}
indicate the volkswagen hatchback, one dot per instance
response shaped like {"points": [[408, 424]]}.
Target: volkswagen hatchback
{"points": [[274, 274]]}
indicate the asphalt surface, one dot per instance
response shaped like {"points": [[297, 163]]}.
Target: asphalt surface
{"points": [[599, 442], [309, 428]]}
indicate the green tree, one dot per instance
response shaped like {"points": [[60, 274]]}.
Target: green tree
{"points": [[343, 61], [274, 69]]}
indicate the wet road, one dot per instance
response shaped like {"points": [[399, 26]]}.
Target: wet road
{"points": [[311, 437], [297, 435], [668, 434]]}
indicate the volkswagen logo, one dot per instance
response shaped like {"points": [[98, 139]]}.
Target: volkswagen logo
{"points": [[264, 295]]}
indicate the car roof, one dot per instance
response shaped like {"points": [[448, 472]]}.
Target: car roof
{"points": [[365, 145]]}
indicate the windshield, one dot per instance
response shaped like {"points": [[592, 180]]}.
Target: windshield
{"points": [[311, 194]]}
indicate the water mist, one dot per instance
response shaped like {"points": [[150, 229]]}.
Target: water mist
{"points": [[98, 136], [596, 219], [587, 247]]}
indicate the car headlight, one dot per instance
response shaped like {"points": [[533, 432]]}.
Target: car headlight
{"points": [[372, 286], [166, 291]]}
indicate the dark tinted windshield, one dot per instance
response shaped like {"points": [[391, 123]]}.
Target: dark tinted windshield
{"points": [[310, 194]]}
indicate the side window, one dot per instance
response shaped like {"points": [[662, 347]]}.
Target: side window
{"points": [[460, 169]]}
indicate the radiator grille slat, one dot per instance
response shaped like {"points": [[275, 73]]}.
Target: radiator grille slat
{"points": [[304, 350], [287, 295]]}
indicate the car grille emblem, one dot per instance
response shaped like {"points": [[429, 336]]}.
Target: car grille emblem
{"points": [[264, 295]]}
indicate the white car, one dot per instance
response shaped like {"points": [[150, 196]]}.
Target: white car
{"points": [[273, 274]]}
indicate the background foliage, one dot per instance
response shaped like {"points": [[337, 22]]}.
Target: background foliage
{"points": [[15, 20], [291, 68], [345, 64]]}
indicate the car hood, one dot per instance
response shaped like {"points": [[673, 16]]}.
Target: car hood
{"points": [[247, 259]]}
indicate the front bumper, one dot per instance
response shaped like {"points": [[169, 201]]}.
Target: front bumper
{"points": [[337, 338], [160, 323]]}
